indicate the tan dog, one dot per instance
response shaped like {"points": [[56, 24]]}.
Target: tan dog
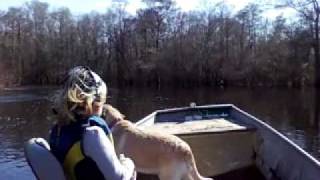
{"points": [[165, 155]]}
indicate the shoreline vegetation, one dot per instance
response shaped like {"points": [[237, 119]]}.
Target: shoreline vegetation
{"points": [[160, 46]]}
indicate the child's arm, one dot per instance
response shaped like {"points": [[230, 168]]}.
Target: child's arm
{"points": [[98, 147]]}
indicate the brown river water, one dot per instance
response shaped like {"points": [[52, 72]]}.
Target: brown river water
{"points": [[25, 113]]}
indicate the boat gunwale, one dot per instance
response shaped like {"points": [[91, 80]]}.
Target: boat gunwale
{"points": [[280, 135]]}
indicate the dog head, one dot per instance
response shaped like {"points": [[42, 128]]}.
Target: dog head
{"points": [[111, 115]]}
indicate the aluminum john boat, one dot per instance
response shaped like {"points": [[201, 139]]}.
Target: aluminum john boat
{"points": [[229, 143]]}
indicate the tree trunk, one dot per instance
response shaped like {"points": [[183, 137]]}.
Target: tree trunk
{"points": [[316, 52]]}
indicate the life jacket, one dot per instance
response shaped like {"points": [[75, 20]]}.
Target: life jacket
{"points": [[66, 145]]}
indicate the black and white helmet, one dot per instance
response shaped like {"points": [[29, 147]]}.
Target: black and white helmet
{"points": [[83, 84]]}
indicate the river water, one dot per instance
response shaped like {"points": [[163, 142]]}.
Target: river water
{"points": [[25, 113]]}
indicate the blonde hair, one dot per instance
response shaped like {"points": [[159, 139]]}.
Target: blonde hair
{"points": [[82, 87]]}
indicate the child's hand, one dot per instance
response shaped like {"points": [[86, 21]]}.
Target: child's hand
{"points": [[128, 163]]}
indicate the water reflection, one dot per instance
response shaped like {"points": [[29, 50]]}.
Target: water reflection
{"points": [[314, 120], [22, 115], [26, 113]]}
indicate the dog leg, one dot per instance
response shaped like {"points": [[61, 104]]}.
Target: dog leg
{"points": [[175, 170], [169, 176]]}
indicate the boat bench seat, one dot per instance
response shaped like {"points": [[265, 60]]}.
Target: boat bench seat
{"points": [[218, 125]]}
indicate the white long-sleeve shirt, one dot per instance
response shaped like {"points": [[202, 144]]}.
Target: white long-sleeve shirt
{"points": [[98, 147]]}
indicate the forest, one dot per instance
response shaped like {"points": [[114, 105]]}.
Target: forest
{"points": [[161, 45]]}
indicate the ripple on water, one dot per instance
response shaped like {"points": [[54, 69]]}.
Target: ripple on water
{"points": [[16, 170], [21, 98], [13, 164]]}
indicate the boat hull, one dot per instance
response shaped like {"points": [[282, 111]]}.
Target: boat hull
{"points": [[228, 150]]}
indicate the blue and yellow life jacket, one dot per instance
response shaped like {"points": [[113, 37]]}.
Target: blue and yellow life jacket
{"points": [[66, 145]]}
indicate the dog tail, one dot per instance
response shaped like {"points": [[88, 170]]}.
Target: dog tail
{"points": [[194, 173]]}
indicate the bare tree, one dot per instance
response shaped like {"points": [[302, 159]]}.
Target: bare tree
{"points": [[161, 44], [309, 10]]}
